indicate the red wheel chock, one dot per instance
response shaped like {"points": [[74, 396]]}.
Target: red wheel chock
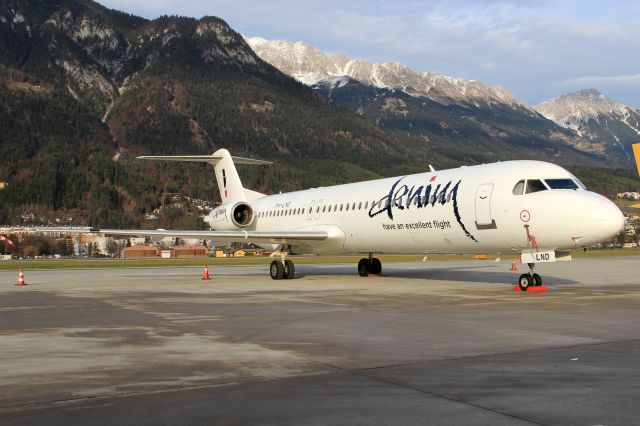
{"points": [[533, 289]]}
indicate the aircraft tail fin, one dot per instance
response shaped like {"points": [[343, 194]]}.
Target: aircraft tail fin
{"points": [[636, 153], [229, 183]]}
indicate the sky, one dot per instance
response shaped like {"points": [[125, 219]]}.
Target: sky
{"points": [[536, 49]]}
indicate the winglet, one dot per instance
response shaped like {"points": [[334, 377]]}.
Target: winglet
{"points": [[636, 153]]}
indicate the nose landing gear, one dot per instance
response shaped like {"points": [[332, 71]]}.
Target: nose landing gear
{"points": [[530, 279]]}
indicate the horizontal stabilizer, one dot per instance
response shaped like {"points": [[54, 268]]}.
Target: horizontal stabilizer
{"points": [[211, 159], [223, 162]]}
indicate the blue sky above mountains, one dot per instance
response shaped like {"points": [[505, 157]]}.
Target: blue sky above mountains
{"points": [[536, 49]]}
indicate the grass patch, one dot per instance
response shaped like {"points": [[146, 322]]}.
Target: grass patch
{"points": [[301, 260], [28, 87]]}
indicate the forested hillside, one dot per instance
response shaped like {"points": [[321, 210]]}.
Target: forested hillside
{"points": [[85, 89]]}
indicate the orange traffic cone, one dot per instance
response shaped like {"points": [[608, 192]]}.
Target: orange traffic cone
{"points": [[21, 278], [513, 265], [205, 275]]}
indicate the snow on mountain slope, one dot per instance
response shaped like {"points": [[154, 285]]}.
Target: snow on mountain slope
{"points": [[309, 65], [596, 117]]}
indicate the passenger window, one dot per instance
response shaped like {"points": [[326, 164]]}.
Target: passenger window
{"points": [[519, 188], [360, 205], [534, 185]]}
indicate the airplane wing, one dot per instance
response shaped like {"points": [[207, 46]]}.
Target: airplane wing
{"points": [[274, 237], [271, 237]]}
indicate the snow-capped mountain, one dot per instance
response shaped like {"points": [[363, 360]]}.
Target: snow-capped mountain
{"points": [[442, 110], [310, 66], [595, 117]]}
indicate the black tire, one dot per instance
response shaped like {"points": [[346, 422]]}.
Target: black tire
{"points": [[364, 267], [537, 280], [289, 270], [376, 266], [525, 281], [276, 270]]}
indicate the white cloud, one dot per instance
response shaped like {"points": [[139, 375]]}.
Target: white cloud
{"points": [[622, 79]]}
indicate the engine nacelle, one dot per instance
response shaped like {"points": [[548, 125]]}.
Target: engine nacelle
{"points": [[241, 214], [231, 216]]}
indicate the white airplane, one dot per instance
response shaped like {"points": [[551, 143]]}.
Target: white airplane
{"points": [[534, 209]]}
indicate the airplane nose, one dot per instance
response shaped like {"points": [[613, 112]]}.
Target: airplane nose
{"points": [[602, 218]]}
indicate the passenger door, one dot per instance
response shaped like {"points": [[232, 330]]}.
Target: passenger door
{"points": [[484, 219]]}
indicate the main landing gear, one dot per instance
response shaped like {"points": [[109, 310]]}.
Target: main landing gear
{"points": [[282, 269], [370, 265], [529, 279]]}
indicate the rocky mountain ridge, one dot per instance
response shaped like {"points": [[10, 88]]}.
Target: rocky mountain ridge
{"points": [[310, 66], [376, 90], [463, 118], [595, 117]]}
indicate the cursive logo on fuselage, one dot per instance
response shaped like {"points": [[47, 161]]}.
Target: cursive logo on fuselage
{"points": [[402, 197]]}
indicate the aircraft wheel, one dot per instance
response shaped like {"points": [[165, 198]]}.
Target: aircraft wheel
{"points": [[289, 270], [364, 267], [276, 270], [525, 281], [376, 266], [537, 280]]}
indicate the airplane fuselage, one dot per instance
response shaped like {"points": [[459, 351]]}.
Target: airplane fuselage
{"points": [[464, 210]]}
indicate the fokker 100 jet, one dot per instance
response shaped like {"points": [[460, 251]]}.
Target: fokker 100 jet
{"points": [[534, 209]]}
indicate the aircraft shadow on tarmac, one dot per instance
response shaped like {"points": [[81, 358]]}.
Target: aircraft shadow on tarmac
{"points": [[493, 274], [477, 273]]}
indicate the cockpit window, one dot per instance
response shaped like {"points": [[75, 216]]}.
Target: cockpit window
{"points": [[561, 183], [534, 185], [519, 188], [579, 182]]}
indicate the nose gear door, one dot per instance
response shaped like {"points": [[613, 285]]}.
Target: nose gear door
{"points": [[484, 220]]}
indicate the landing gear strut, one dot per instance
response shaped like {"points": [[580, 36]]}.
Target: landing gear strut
{"points": [[282, 268], [529, 279], [370, 265]]}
